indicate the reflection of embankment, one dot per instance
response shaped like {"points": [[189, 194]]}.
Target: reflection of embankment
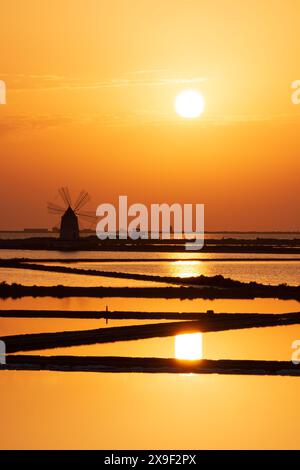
{"points": [[136, 315], [92, 243], [150, 365], [208, 323], [139, 259], [245, 291]]}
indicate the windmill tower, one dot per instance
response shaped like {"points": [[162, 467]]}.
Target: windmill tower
{"points": [[70, 213], [69, 226]]}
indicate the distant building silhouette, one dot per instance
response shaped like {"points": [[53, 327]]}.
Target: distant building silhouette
{"points": [[69, 224]]}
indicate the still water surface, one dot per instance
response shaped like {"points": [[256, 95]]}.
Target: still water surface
{"points": [[128, 411]]}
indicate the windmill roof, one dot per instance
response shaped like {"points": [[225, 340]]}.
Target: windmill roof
{"points": [[69, 212]]}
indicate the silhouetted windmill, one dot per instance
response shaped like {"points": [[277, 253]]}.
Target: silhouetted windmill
{"points": [[69, 224]]}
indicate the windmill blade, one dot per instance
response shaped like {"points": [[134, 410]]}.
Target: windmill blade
{"points": [[68, 195], [80, 199], [87, 215], [55, 209], [81, 194], [63, 196], [83, 201], [87, 219]]}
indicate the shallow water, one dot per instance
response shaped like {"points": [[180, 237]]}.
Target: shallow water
{"points": [[130, 411], [43, 278], [136, 411], [271, 343], [141, 304], [44, 254], [265, 272]]}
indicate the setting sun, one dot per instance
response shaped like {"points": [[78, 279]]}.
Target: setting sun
{"points": [[189, 104], [149, 228], [188, 346]]}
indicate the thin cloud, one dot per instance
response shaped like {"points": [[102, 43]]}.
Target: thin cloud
{"points": [[11, 124], [22, 82], [23, 123]]}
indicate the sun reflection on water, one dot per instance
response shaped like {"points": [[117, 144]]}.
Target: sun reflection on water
{"points": [[186, 268], [189, 346]]}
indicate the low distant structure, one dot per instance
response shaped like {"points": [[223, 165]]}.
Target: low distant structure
{"points": [[35, 230], [210, 312]]}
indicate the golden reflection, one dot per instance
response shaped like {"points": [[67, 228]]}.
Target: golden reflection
{"points": [[189, 346], [186, 268]]}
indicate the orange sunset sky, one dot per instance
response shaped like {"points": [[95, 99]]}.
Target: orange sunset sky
{"points": [[90, 104]]}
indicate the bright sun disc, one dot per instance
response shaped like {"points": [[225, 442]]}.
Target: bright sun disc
{"points": [[188, 346], [189, 104]]}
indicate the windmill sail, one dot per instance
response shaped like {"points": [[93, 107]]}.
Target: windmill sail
{"points": [[71, 213]]}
